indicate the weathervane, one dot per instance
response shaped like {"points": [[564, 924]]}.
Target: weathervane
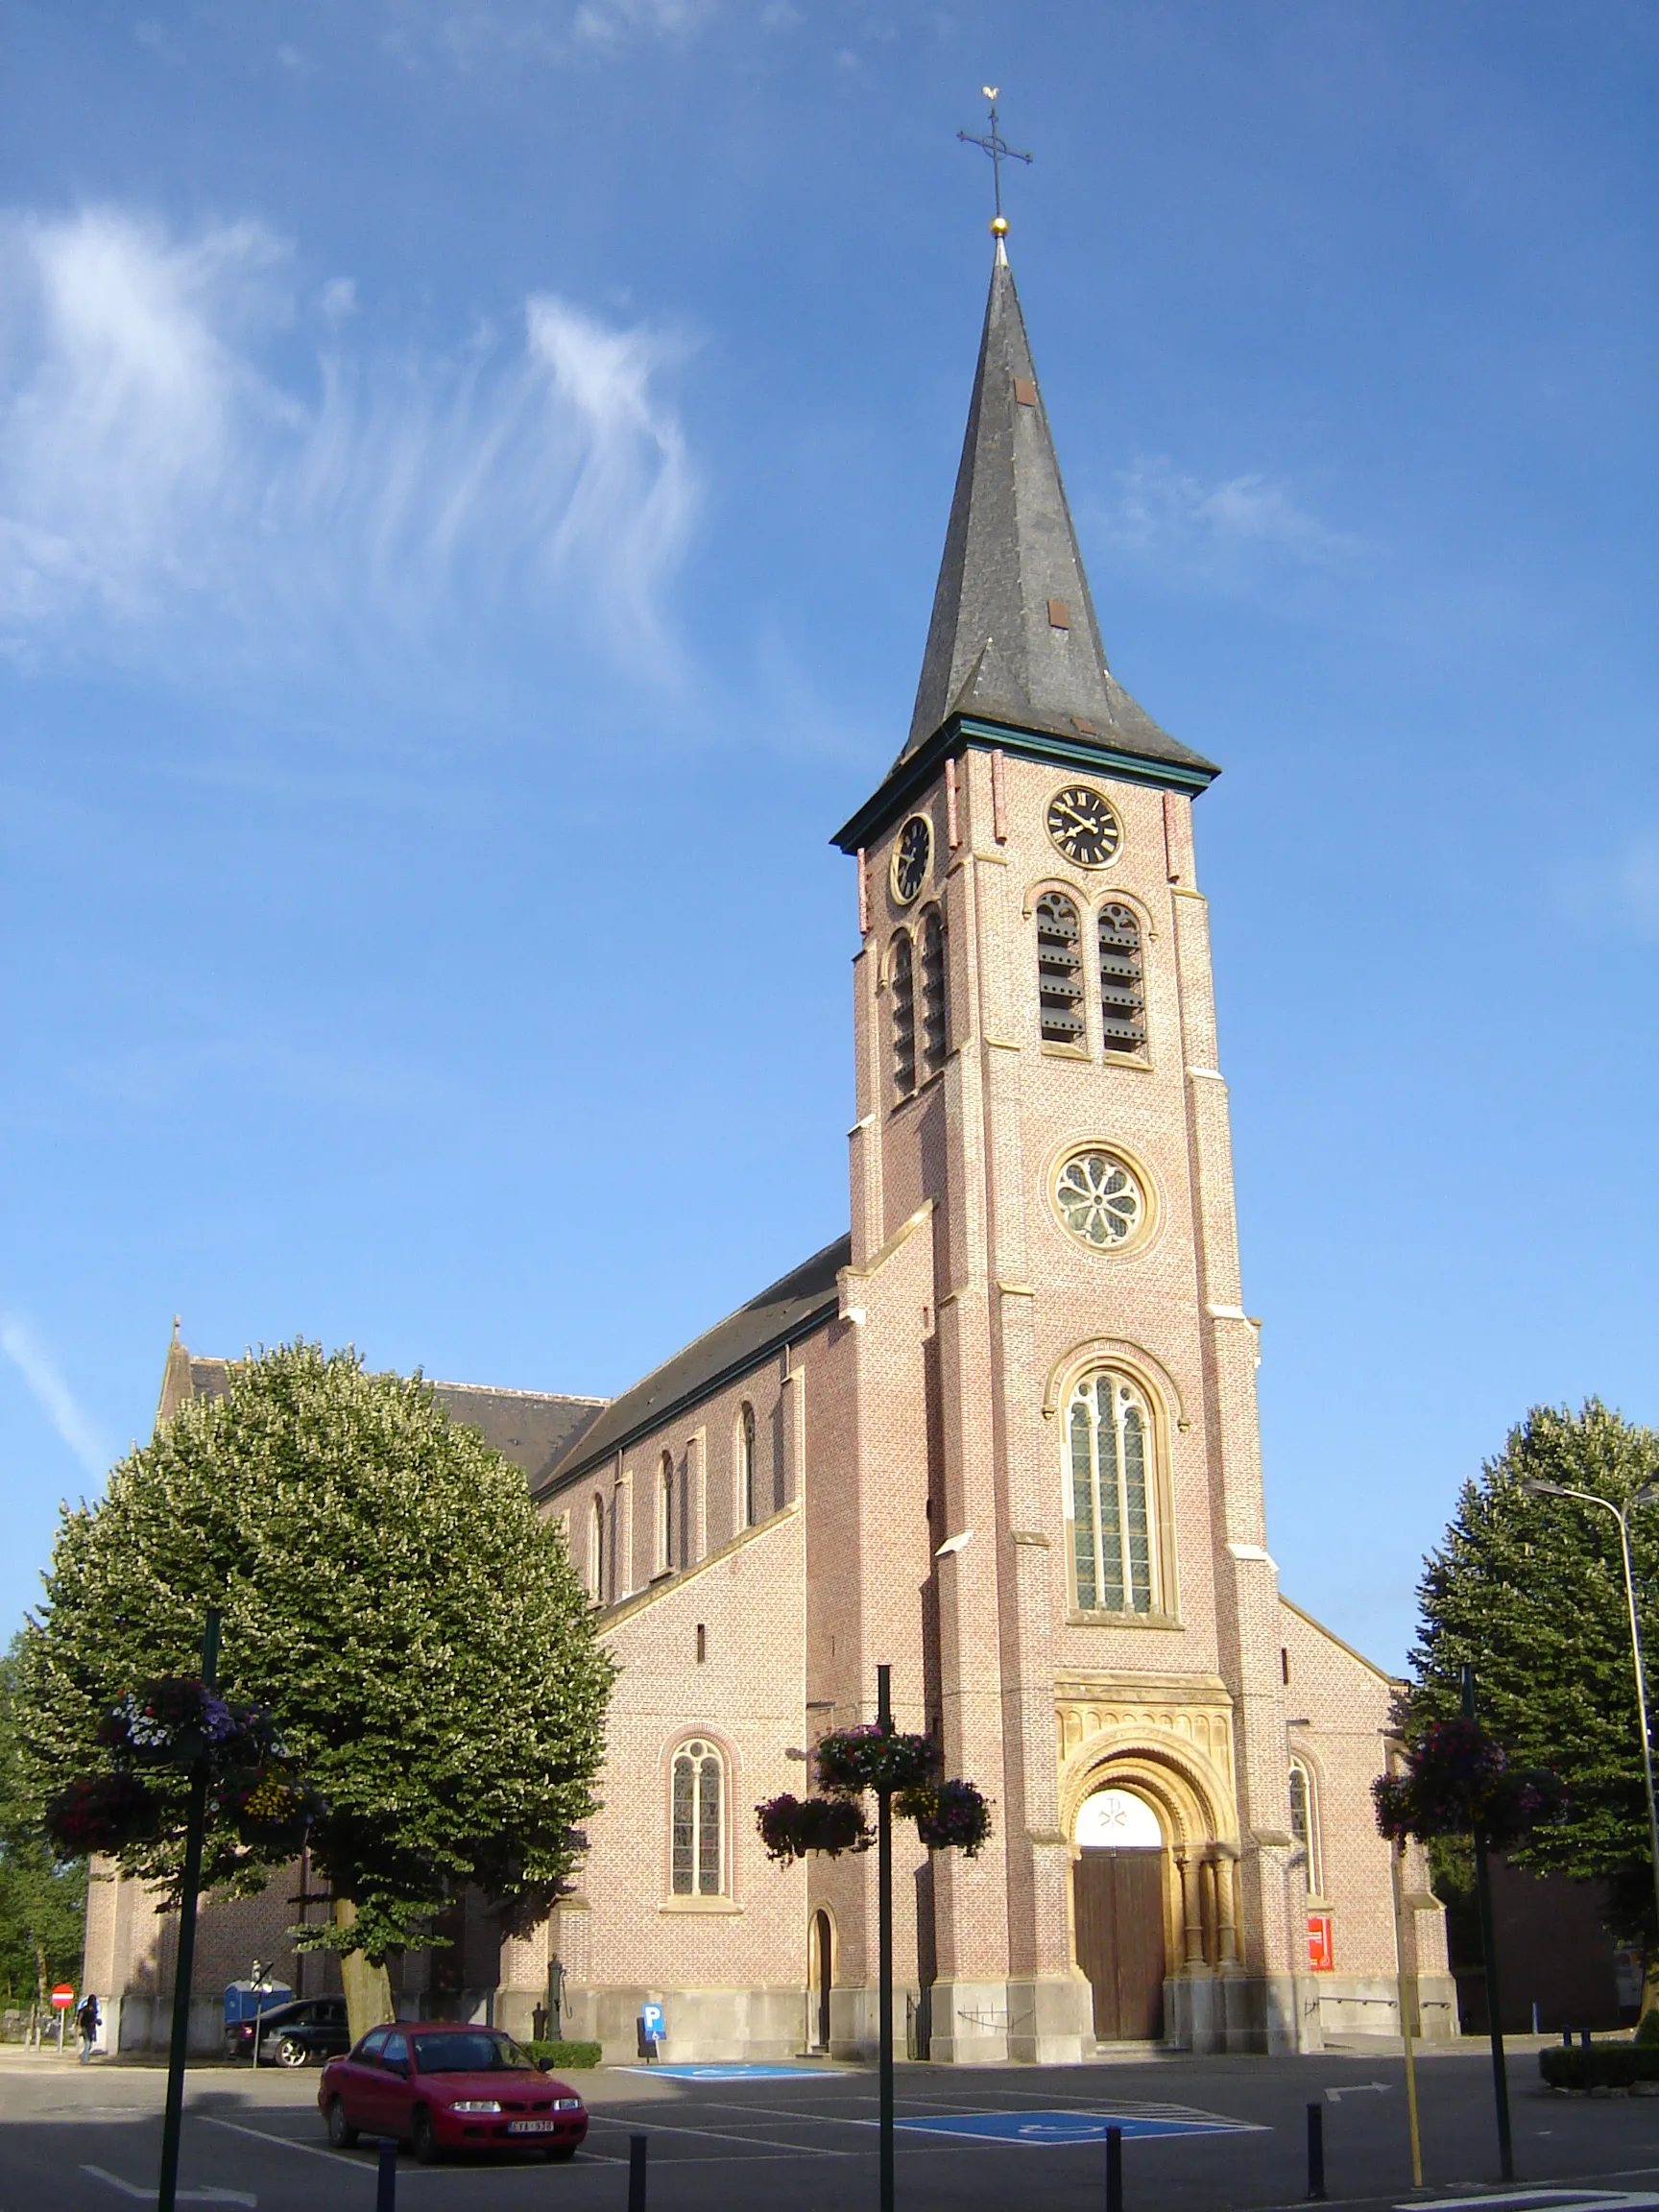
{"points": [[1000, 150]]}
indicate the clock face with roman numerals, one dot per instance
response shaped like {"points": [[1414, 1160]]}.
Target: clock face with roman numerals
{"points": [[1084, 827], [910, 858]]}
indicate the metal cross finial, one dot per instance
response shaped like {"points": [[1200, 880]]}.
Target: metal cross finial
{"points": [[999, 150]]}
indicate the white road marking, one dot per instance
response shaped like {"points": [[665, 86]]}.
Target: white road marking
{"points": [[1563, 2200], [259, 2135], [1361, 2089], [183, 2195], [760, 2142]]}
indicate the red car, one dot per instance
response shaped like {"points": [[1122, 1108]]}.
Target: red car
{"points": [[439, 2086]]}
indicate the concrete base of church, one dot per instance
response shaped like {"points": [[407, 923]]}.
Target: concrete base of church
{"points": [[1046, 2021], [1369, 2004], [703, 2025], [1218, 2013]]}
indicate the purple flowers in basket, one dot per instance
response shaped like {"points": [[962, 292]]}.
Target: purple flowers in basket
{"points": [[177, 1722], [104, 1813], [792, 1826], [949, 1815], [872, 1758], [1458, 1782]]}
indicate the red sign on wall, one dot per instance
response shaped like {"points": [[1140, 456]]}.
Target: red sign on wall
{"points": [[1320, 1956]]}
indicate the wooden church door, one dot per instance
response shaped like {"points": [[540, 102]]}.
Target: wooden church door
{"points": [[1117, 1901]]}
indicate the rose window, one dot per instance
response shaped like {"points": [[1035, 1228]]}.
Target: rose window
{"points": [[1100, 1199]]}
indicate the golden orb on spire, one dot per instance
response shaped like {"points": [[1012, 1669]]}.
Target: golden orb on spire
{"points": [[998, 226]]}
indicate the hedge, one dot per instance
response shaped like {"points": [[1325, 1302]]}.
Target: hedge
{"points": [[572, 2056], [1603, 2066]]}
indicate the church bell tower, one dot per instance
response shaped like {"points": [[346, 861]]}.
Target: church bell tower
{"points": [[1044, 1234]]}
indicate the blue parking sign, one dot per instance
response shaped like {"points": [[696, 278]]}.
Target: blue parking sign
{"points": [[651, 2028]]}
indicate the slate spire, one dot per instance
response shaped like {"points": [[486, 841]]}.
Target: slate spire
{"points": [[1014, 638]]}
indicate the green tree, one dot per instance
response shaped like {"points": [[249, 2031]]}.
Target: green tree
{"points": [[1531, 1592], [389, 1590], [42, 1904]]}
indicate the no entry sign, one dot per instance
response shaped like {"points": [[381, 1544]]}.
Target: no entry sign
{"points": [[63, 1997]]}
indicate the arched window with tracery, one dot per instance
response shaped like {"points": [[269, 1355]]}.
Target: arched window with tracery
{"points": [[665, 1514], [935, 1038], [1305, 1822], [748, 1504], [596, 1550], [1122, 980], [1059, 969], [697, 1818], [1110, 1494], [902, 986]]}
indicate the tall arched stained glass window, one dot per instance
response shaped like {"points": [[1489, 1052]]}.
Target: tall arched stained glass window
{"points": [[1110, 1494], [746, 1474], [1059, 969], [1305, 1822], [1122, 980], [935, 1039], [697, 1824], [901, 982]]}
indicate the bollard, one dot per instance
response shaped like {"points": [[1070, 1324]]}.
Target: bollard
{"points": [[1316, 2154], [1114, 2170], [636, 2173], [1566, 2038], [1585, 2040], [386, 2188]]}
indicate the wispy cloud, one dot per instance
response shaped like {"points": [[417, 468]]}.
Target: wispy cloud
{"points": [[158, 465], [53, 1395], [1636, 885], [1176, 521], [481, 32]]}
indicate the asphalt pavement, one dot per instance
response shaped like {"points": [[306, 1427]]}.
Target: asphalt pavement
{"points": [[1200, 2135]]}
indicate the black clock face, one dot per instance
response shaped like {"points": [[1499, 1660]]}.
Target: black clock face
{"points": [[910, 858], [1084, 827]]}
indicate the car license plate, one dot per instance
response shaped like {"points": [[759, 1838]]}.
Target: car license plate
{"points": [[532, 2127]]}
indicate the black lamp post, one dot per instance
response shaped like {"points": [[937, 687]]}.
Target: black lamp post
{"points": [[185, 1967]]}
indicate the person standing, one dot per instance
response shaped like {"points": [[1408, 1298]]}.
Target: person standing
{"points": [[89, 2019]]}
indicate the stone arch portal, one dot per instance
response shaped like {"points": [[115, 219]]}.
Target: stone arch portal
{"points": [[1154, 1892]]}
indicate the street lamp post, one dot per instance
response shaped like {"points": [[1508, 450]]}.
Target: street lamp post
{"points": [[1536, 1487]]}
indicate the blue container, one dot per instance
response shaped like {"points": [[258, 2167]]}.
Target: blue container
{"points": [[247, 2000]]}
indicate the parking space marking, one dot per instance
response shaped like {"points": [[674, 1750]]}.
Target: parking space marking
{"points": [[182, 2195], [736, 2072], [1565, 2198], [263, 2135], [1047, 2130], [715, 2135]]}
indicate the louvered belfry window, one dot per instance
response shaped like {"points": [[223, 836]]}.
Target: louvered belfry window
{"points": [[1122, 981], [903, 1017], [1059, 969], [935, 1041]]}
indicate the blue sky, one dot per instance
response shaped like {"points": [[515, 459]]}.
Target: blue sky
{"points": [[443, 445]]}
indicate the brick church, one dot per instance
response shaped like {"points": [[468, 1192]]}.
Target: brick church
{"points": [[1003, 1434]]}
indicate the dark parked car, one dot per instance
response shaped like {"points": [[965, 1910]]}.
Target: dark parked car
{"points": [[293, 2034], [439, 2086]]}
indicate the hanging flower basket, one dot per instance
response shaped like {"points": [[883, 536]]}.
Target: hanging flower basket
{"points": [[871, 1758], [177, 1722], [948, 1817], [1458, 1782], [105, 1813], [792, 1826], [269, 1807]]}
